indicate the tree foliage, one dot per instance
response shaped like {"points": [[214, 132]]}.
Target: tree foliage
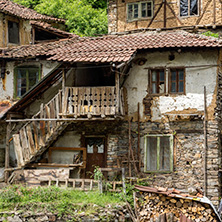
{"points": [[84, 17]]}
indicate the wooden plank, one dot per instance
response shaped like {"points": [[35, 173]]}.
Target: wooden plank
{"points": [[87, 98], [113, 100], [30, 139], [24, 141], [57, 106], [7, 151], [35, 130], [81, 102], [98, 99], [103, 103], [117, 92], [108, 101], [48, 123], [18, 150], [42, 127], [75, 101], [52, 112], [155, 15], [65, 101]]}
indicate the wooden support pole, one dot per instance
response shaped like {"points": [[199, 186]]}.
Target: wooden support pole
{"points": [[124, 180], [214, 11], [205, 141], [100, 185], [63, 86], [7, 151], [138, 142], [117, 92], [129, 150], [164, 14]]}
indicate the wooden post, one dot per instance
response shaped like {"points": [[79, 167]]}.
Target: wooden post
{"points": [[63, 86], [100, 185], [129, 150], [164, 14], [7, 151], [117, 92], [138, 142], [124, 180], [205, 142], [214, 11]]}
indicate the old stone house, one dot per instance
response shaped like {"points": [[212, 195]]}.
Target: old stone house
{"points": [[128, 15], [134, 101]]}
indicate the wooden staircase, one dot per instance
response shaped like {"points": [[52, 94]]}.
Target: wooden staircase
{"points": [[37, 135]]}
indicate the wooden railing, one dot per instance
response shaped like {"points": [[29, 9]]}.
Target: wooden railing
{"points": [[91, 101], [35, 135]]}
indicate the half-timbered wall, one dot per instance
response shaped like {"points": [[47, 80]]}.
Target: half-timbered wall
{"points": [[166, 14]]}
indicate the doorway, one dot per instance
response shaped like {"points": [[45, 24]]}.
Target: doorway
{"points": [[96, 154]]}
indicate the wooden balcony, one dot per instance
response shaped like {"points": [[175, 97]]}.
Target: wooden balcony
{"points": [[92, 102]]}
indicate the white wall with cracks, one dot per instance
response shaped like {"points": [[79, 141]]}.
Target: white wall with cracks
{"points": [[196, 78]]}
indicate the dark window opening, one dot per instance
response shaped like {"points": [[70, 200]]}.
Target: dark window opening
{"points": [[90, 75], [188, 7], [13, 32], [41, 35], [157, 81], [26, 78], [177, 81]]}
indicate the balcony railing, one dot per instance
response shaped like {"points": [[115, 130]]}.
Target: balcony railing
{"points": [[91, 102]]}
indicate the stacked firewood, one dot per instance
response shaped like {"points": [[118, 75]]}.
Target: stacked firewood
{"points": [[156, 207]]}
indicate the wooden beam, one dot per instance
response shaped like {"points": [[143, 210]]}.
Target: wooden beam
{"points": [[7, 151], [205, 8], [138, 139], [164, 14], [173, 12], [155, 15], [205, 141]]}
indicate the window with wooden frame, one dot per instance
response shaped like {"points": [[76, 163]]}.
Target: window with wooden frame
{"points": [[158, 153], [177, 80], [189, 8], [157, 81], [13, 32], [139, 10], [25, 79]]}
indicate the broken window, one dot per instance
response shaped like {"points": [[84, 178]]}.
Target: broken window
{"points": [[157, 81], [159, 153], [25, 79], [139, 10], [13, 32], [177, 81], [188, 7]]}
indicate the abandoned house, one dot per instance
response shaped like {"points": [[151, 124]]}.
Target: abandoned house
{"points": [[128, 15], [22, 26], [133, 101]]}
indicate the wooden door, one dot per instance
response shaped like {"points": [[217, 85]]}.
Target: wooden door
{"points": [[96, 154]]}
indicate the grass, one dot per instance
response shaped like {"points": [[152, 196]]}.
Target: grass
{"points": [[54, 199]]}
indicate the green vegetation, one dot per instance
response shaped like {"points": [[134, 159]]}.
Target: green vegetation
{"points": [[55, 200], [84, 17], [212, 34]]}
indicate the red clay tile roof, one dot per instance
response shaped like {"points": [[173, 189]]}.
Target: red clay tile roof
{"points": [[50, 28], [111, 48], [11, 8]]}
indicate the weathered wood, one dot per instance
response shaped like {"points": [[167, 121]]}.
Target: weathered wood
{"points": [[48, 123], [25, 146], [42, 127], [124, 180], [7, 151], [30, 139], [35, 130], [151, 21], [129, 150], [18, 150], [205, 142], [138, 139], [173, 12], [117, 92], [204, 10]]}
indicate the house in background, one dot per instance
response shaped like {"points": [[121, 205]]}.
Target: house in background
{"points": [[22, 26], [128, 15], [117, 100]]}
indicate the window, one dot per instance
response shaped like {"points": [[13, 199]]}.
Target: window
{"points": [[13, 32], [177, 81], [159, 153], [139, 10], [157, 80], [25, 79], [188, 7], [163, 81]]}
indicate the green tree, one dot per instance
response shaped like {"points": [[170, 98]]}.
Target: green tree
{"points": [[84, 17]]}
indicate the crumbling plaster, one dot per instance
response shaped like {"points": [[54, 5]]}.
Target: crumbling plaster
{"points": [[196, 79], [7, 85]]}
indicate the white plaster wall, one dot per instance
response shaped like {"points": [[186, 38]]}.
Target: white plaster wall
{"points": [[196, 79], [7, 94], [68, 139]]}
